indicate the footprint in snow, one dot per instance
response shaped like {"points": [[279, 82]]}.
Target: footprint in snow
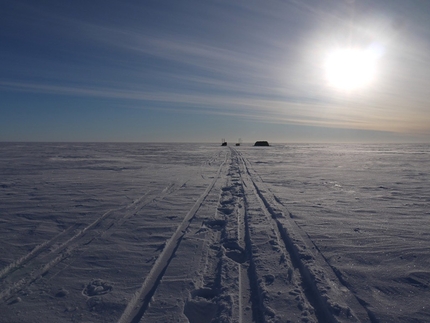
{"points": [[202, 306], [97, 287], [215, 224], [235, 252]]}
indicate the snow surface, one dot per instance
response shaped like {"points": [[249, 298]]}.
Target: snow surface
{"points": [[202, 233]]}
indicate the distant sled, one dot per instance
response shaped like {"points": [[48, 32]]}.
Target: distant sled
{"points": [[223, 142], [261, 143]]}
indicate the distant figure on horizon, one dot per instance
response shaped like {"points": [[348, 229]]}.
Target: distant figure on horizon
{"points": [[223, 142]]}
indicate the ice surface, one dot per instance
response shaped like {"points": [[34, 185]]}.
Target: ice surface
{"points": [[100, 232]]}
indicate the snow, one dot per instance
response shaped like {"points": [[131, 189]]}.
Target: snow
{"points": [[114, 232]]}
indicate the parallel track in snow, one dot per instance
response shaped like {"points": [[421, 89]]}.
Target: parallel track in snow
{"points": [[34, 265], [138, 304], [331, 300], [256, 264], [247, 259]]}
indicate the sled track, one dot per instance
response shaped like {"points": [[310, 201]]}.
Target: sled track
{"points": [[47, 255], [40, 260], [256, 265], [139, 302], [330, 298], [247, 259]]}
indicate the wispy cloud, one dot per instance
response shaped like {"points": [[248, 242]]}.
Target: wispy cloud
{"points": [[265, 110], [270, 70]]}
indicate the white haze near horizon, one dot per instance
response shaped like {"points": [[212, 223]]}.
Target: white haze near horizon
{"points": [[82, 225]]}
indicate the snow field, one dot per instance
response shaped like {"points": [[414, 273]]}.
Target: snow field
{"points": [[197, 233]]}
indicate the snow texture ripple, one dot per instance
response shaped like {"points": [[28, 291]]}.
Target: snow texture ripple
{"points": [[199, 233]]}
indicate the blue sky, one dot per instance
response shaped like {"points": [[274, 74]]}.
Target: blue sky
{"points": [[205, 70]]}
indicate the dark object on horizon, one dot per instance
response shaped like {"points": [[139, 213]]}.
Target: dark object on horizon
{"points": [[224, 143], [239, 142], [261, 143]]}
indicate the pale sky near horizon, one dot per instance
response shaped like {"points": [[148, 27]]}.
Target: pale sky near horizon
{"points": [[204, 70]]}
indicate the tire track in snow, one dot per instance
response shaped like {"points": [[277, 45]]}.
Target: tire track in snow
{"points": [[332, 301], [138, 304], [38, 262]]}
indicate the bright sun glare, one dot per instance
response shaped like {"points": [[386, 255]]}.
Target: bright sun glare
{"points": [[350, 69]]}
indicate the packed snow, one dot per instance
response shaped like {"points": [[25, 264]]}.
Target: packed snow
{"points": [[200, 233]]}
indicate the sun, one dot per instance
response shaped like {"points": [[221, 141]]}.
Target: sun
{"points": [[349, 69]]}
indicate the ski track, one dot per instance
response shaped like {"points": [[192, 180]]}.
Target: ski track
{"points": [[139, 302], [39, 261], [22, 269], [251, 262], [332, 301], [254, 265]]}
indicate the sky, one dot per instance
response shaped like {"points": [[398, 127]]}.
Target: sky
{"points": [[200, 71]]}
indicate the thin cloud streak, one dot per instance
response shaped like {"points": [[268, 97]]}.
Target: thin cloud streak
{"points": [[270, 111], [249, 60], [223, 61]]}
